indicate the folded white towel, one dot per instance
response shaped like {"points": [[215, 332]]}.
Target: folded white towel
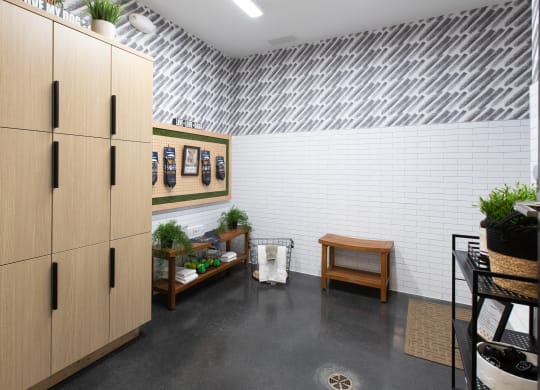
{"points": [[182, 271], [272, 271], [186, 280], [227, 259]]}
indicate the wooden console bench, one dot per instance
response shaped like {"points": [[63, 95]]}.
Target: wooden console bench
{"points": [[364, 278]]}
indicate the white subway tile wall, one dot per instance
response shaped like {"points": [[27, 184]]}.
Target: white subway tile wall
{"points": [[414, 185]]}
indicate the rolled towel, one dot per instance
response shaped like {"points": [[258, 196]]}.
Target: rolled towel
{"points": [[271, 252]]}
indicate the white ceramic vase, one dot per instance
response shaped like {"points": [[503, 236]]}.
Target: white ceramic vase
{"points": [[102, 27]]}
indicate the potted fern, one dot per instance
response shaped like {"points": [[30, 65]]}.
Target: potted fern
{"points": [[511, 237], [105, 14], [233, 218], [170, 235]]}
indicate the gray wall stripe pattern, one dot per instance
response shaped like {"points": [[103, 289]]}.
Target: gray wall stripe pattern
{"points": [[470, 66], [535, 27]]}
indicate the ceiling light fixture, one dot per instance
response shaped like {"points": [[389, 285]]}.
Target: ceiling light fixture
{"points": [[249, 8]]}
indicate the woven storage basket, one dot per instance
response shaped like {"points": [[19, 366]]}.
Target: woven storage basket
{"points": [[514, 266]]}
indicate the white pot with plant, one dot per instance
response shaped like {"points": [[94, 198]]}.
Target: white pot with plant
{"points": [[105, 15]]}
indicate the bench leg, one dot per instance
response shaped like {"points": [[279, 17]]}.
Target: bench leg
{"points": [[172, 283], [324, 266], [384, 276]]}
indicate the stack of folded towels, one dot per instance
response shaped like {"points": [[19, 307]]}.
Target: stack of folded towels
{"points": [[228, 257], [185, 275]]}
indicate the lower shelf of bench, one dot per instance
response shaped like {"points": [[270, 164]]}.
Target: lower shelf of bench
{"points": [[363, 278], [162, 285]]}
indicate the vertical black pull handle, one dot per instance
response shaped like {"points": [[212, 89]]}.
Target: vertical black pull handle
{"points": [[113, 165], [54, 286], [112, 267], [113, 114], [56, 104], [56, 167]]}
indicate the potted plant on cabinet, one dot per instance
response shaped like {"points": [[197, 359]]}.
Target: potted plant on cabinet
{"points": [[233, 218], [511, 237], [105, 15], [170, 235]]}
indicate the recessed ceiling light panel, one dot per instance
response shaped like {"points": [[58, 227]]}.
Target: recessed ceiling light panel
{"points": [[142, 23], [249, 7]]}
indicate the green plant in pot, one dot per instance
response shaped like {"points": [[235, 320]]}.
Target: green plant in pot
{"points": [[170, 235], [105, 14], [511, 237], [233, 218]]}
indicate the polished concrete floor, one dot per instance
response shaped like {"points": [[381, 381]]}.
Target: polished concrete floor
{"points": [[232, 333]]}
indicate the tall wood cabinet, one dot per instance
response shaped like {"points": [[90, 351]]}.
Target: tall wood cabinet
{"points": [[75, 196]]}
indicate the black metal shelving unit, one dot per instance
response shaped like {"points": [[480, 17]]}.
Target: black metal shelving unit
{"points": [[481, 285]]}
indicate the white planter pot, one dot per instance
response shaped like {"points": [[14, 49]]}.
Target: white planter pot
{"points": [[102, 27], [497, 379]]}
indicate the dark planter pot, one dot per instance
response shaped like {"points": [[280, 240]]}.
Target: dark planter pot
{"points": [[234, 225], [168, 245], [512, 240]]}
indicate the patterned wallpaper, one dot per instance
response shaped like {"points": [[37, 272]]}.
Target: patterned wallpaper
{"points": [[191, 78], [470, 66], [535, 15]]}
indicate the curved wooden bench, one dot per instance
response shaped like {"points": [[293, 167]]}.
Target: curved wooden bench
{"points": [[364, 278]]}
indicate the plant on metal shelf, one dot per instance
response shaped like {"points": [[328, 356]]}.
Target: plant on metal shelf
{"points": [[233, 218], [171, 235], [105, 14], [511, 237]]}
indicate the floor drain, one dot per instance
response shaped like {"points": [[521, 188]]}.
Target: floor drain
{"points": [[339, 382]]}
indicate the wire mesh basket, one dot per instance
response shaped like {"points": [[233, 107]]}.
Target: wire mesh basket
{"points": [[255, 242]]}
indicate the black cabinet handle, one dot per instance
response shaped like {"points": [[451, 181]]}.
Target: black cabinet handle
{"points": [[56, 161], [54, 286], [56, 104], [113, 165], [113, 114], [112, 267]]}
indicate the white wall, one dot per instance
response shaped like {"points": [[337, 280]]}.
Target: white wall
{"points": [[414, 185]]}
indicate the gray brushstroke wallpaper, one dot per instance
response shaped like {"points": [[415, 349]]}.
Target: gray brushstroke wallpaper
{"points": [[470, 66]]}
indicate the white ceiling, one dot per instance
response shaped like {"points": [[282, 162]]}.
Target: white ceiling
{"points": [[223, 25]]}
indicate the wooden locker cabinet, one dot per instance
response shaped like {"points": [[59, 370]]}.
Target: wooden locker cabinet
{"points": [[25, 202], [25, 101], [82, 67], [80, 324], [81, 203], [131, 205], [25, 323], [132, 89], [131, 290]]}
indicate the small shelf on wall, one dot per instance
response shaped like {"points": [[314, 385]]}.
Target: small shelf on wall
{"points": [[189, 189]]}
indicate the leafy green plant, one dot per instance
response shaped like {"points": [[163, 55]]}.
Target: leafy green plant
{"points": [[104, 10], [232, 218], [171, 235], [500, 201]]}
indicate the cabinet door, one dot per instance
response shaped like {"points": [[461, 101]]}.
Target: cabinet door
{"points": [[132, 292], [25, 323], [26, 69], [131, 196], [81, 203], [132, 86], [82, 66], [26, 194], [80, 324]]}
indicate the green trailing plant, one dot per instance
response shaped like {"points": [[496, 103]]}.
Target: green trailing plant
{"points": [[500, 201], [171, 235], [104, 10], [232, 218]]}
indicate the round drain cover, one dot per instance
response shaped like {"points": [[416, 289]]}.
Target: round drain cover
{"points": [[339, 382]]}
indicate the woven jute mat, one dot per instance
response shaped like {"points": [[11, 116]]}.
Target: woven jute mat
{"points": [[429, 331]]}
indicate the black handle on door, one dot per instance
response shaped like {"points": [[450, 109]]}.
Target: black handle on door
{"points": [[113, 114], [54, 286], [56, 161], [113, 165], [56, 104], [112, 267]]}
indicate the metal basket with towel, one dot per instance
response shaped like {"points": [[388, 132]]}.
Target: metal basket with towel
{"points": [[270, 258]]}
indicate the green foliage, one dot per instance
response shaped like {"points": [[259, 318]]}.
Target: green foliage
{"points": [[228, 218], [104, 10], [500, 201], [171, 235]]}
